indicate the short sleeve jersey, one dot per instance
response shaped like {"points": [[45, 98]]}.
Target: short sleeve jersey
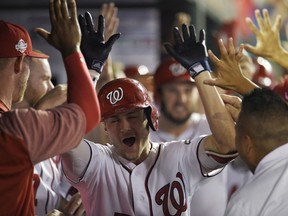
{"points": [[161, 185]]}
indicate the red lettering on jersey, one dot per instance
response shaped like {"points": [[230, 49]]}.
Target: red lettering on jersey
{"points": [[168, 192]]}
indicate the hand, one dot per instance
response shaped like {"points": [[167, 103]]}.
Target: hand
{"points": [[232, 104], [93, 45], [55, 212], [55, 97], [109, 12], [267, 36], [73, 207], [227, 72], [65, 33], [191, 54]]}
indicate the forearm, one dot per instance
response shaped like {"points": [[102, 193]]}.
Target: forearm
{"points": [[75, 161], [80, 88], [220, 122]]}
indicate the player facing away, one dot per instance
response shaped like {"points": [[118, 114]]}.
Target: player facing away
{"points": [[134, 176]]}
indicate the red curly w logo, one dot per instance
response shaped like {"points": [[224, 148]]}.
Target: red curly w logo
{"points": [[173, 194]]}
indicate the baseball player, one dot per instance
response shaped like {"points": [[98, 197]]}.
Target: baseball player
{"points": [[177, 97], [135, 176], [29, 136], [265, 152]]}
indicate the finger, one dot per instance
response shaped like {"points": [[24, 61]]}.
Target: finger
{"points": [[252, 26], [74, 204], [232, 100], [266, 18], [278, 23], [82, 24], [112, 40], [260, 20], [80, 211], [234, 112], [213, 57], [104, 9], [110, 13], [250, 48], [185, 32], [43, 33], [177, 36], [64, 9], [73, 9], [57, 10], [202, 36], [192, 33], [231, 46], [239, 53], [101, 25], [52, 13], [222, 48], [214, 82], [89, 22]]}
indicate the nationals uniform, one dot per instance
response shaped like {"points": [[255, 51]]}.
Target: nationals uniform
{"points": [[50, 186], [201, 204], [265, 193], [163, 184], [29, 136]]}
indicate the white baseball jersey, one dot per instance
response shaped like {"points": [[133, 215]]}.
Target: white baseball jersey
{"points": [[211, 196], [162, 184], [265, 193], [49, 185]]}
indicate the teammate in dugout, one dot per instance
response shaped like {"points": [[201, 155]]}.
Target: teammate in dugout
{"points": [[59, 129], [132, 175], [261, 126]]}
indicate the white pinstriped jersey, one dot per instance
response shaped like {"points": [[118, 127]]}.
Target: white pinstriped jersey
{"points": [[211, 197], [162, 184], [46, 180], [49, 185]]}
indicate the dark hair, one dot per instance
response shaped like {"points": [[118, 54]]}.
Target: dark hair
{"points": [[264, 116], [263, 101]]}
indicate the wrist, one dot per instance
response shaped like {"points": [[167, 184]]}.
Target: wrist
{"points": [[198, 68], [94, 64], [94, 76]]}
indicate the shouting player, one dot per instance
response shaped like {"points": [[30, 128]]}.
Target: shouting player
{"points": [[134, 176]]}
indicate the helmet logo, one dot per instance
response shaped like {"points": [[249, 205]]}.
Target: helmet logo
{"points": [[177, 69], [115, 96]]}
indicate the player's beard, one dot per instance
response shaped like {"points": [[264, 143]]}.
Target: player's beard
{"points": [[175, 120]]}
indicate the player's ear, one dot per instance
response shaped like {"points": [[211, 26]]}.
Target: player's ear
{"points": [[18, 64]]}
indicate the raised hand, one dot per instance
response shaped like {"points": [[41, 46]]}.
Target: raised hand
{"points": [[93, 45], [110, 12], [227, 71], [190, 53], [232, 104], [65, 33], [268, 43]]}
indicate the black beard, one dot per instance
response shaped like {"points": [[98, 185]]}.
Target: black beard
{"points": [[176, 121]]}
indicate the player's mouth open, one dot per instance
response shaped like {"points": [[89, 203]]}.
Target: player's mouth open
{"points": [[129, 141]]}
